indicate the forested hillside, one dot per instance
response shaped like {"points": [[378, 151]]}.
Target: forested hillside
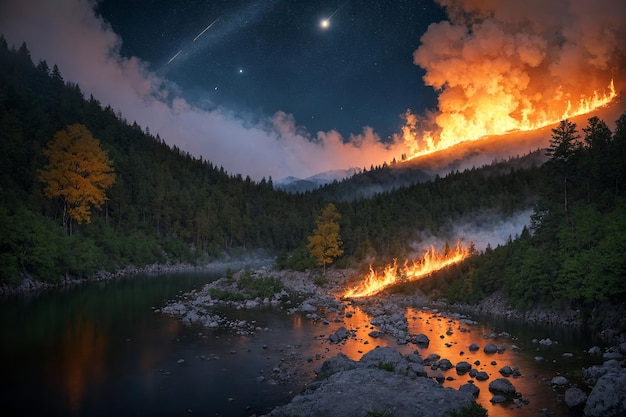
{"points": [[574, 252], [166, 205]]}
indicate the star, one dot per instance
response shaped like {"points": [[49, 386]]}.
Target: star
{"points": [[325, 23]]}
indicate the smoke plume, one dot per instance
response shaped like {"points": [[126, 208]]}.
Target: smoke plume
{"points": [[503, 65]]}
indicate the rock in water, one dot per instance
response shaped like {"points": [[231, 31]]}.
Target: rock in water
{"points": [[502, 386], [608, 397], [575, 397]]}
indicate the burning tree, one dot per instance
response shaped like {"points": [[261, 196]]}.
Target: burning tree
{"points": [[325, 242]]}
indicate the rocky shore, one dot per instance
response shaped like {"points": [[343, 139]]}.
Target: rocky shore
{"points": [[383, 381]]}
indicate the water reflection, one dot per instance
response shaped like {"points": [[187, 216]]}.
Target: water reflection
{"points": [[101, 350], [80, 361]]}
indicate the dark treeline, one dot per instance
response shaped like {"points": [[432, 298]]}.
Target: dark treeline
{"points": [[167, 205], [574, 252]]}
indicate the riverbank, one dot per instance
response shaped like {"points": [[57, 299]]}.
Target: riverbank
{"points": [[320, 300], [30, 285]]}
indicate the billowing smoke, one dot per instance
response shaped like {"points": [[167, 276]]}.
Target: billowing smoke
{"points": [[503, 65]]}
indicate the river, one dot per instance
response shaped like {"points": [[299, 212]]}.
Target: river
{"points": [[101, 349]]}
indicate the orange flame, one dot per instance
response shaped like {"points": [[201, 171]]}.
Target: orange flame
{"points": [[494, 119], [393, 274]]}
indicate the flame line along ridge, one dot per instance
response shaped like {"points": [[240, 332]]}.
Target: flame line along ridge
{"points": [[392, 274]]}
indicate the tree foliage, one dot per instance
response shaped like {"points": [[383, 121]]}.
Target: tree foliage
{"points": [[78, 172], [325, 243]]}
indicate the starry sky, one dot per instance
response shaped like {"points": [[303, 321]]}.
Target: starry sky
{"points": [[260, 57], [263, 89]]}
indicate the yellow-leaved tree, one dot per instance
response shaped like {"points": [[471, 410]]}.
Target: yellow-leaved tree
{"points": [[325, 242], [78, 173]]}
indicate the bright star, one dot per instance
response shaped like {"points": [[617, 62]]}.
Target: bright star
{"points": [[325, 23]]}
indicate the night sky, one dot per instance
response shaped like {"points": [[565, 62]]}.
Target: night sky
{"points": [[260, 57], [263, 89]]}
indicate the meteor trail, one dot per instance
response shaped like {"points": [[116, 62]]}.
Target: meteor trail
{"points": [[174, 57], [205, 29], [325, 23]]}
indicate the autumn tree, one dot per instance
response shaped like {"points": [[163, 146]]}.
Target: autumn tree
{"points": [[78, 173], [325, 242]]}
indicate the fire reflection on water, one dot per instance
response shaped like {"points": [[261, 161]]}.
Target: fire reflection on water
{"points": [[449, 338]]}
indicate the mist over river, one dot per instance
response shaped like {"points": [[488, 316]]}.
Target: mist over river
{"points": [[103, 349]]}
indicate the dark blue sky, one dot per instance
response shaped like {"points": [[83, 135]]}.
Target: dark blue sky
{"points": [[261, 57]]}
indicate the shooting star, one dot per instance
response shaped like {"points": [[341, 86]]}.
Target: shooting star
{"points": [[325, 23], [174, 57], [205, 29]]}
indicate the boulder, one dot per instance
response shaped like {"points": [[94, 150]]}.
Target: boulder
{"points": [[363, 391], [417, 369], [473, 347], [445, 364], [506, 370], [575, 397], [559, 380], [463, 367], [490, 348], [482, 376], [421, 339], [384, 355], [336, 364], [471, 388], [608, 396], [340, 334], [501, 386]]}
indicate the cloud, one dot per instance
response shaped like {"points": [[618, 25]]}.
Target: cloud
{"points": [[87, 51]]}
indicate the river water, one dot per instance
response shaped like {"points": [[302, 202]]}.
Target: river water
{"points": [[101, 349]]}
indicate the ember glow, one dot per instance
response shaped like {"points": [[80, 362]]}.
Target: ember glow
{"points": [[432, 261]]}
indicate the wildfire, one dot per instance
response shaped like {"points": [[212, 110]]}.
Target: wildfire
{"points": [[393, 274], [494, 118]]}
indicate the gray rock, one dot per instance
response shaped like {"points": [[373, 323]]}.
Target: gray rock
{"points": [[612, 355], [575, 397], [445, 364], [421, 339], [559, 380], [622, 347], [463, 367], [506, 370], [498, 399], [546, 342], [608, 396], [340, 334], [414, 357], [417, 369], [473, 347], [482, 376], [471, 388], [360, 391], [490, 348], [384, 355], [432, 358], [595, 350], [336, 364], [502, 386]]}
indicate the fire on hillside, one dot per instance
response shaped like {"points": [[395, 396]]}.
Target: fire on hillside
{"points": [[432, 261]]}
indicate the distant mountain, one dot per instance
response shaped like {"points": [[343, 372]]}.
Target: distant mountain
{"points": [[298, 185]]}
